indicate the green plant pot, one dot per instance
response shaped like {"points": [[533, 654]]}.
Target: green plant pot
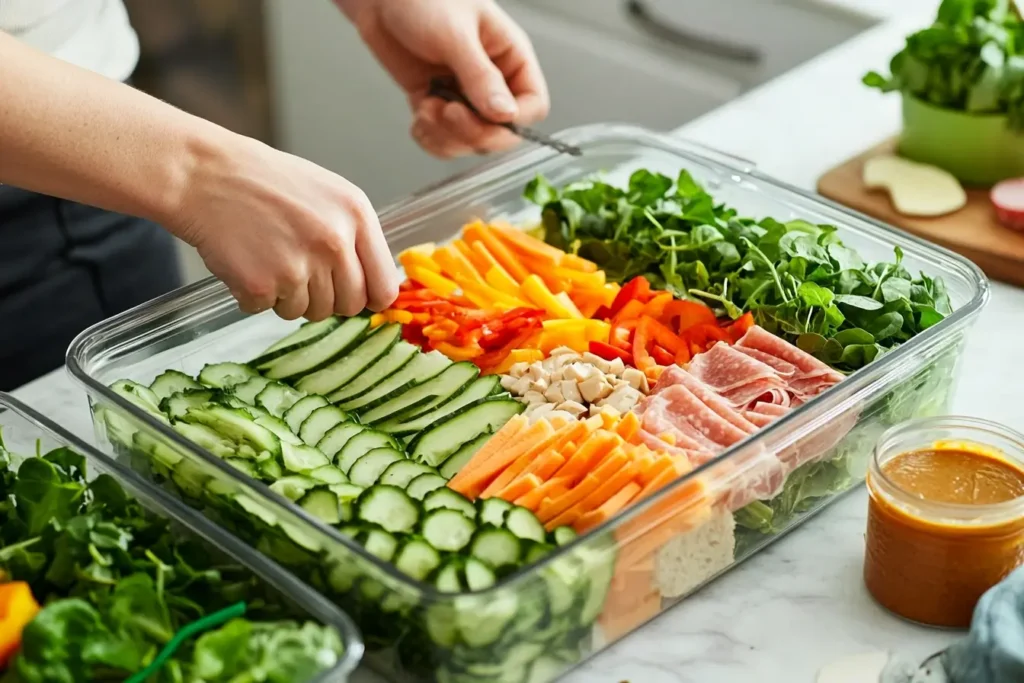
{"points": [[977, 149]]}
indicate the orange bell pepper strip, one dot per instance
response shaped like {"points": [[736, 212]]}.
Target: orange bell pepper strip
{"points": [[641, 340], [682, 315], [656, 306], [665, 337], [17, 608], [740, 326]]}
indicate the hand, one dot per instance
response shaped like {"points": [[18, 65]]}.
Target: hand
{"points": [[284, 233], [476, 41]]}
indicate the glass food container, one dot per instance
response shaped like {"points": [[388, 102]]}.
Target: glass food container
{"points": [[929, 560], [609, 582], [24, 431]]}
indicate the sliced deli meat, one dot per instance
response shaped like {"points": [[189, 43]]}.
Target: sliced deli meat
{"points": [[760, 339], [725, 369], [708, 397]]}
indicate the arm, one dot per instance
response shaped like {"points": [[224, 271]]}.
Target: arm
{"points": [[71, 133], [280, 231]]}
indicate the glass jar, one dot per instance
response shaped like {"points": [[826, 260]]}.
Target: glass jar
{"points": [[930, 562]]}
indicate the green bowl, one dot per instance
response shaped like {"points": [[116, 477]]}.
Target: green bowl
{"points": [[977, 149]]}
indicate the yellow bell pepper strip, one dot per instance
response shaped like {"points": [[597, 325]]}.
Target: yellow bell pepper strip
{"points": [[455, 265], [577, 278], [376, 320], [531, 247], [419, 256], [569, 305], [579, 263], [438, 284], [526, 355], [17, 608], [458, 353], [537, 293], [497, 277], [485, 256]]}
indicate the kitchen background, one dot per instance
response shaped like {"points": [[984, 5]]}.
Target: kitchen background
{"points": [[296, 75]]}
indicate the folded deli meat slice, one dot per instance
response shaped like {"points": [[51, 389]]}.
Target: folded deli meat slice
{"points": [[728, 393]]}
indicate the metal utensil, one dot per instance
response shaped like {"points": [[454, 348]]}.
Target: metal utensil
{"points": [[448, 90]]}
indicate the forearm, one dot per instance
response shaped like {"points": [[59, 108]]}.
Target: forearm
{"points": [[70, 133]]}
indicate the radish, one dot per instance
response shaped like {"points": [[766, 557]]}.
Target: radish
{"points": [[1008, 199]]}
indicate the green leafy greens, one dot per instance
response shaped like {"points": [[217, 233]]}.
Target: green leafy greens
{"points": [[798, 279], [970, 59], [117, 583]]}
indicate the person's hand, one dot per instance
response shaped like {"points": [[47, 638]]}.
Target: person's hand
{"points": [[474, 40], [284, 233]]}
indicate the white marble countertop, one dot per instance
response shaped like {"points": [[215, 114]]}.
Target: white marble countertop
{"points": [[801, 603]]}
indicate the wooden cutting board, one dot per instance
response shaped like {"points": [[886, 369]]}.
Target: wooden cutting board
{"points": [[973, 231]]}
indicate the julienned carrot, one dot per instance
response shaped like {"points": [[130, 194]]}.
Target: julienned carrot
{"points": [[593, 450], [519, 241], [521, 486], [552, 488], [608, 467], [612, 487], [480, 232], [516, 460], [484, 465], [608, 509], [545, 464]]}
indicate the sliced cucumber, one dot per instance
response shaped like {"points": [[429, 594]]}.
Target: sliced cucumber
{"points": [[307, 333], [482, 622], [443, 387], [237, 426], [207, 438], [417, 559], [345, 369], [420, 369], [347, 495], [178, 404], [441, 441], [451, 500], [497, 547], [525, 525], [448, 577], [492, 511], [229, 400], [271, 469], [361, 444], [367, 470], [156, 449], [276, 398], [225, 375], [140, 396], [478, 389], [337, 437], [294, 487], [447, 530], [395, 360], [537, 552], [250, 389], [323, 505], [171, 382], [404, 471], [312, 357], [380, 544], [302, 459], [419, 487], [303, 408], [477, 576], [389, 508], [563, 535], [460, 458], [319, 422], [279, 428], [329, 474]]}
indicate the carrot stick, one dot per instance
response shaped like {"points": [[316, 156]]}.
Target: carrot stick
{"points": [[480, 232], [517, 460], [519, 241], [552, 488], [578, 263], [593, 450], [520, 487], [612, 487]]}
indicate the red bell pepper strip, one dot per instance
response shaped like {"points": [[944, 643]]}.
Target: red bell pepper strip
{"points": [[637, 289], [740, 326], [663, 336], [661, 356], [641, 339], [609, 352], [492, 359]]}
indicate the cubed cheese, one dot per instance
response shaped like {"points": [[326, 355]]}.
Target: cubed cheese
{"points": [[573, 407], [539, 385], [536, 371], [521, 386], [532, 397], [562, 351], [571, 391], [636, 379], [518, 369], [594, 388], [616, 367], [598, 362], [554, 393], [507, 381], [622, 399]]}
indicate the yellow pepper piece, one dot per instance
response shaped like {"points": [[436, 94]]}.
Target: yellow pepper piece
{"points": [[458, 353], [526, 355], [377, 319], [438, 284], [580, 279], [534, 289], [569, 305], [393, 315], [497, 277], [455, 265], [17, 608], [489, 296], [419, 256]]}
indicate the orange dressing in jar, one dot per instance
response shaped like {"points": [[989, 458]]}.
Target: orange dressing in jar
{"points": [[945, 518]]}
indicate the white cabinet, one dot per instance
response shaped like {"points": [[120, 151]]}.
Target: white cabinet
{"points": [[749, 40]]}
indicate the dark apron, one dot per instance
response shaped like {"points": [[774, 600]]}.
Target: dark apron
{"points": [[65, 266]]}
